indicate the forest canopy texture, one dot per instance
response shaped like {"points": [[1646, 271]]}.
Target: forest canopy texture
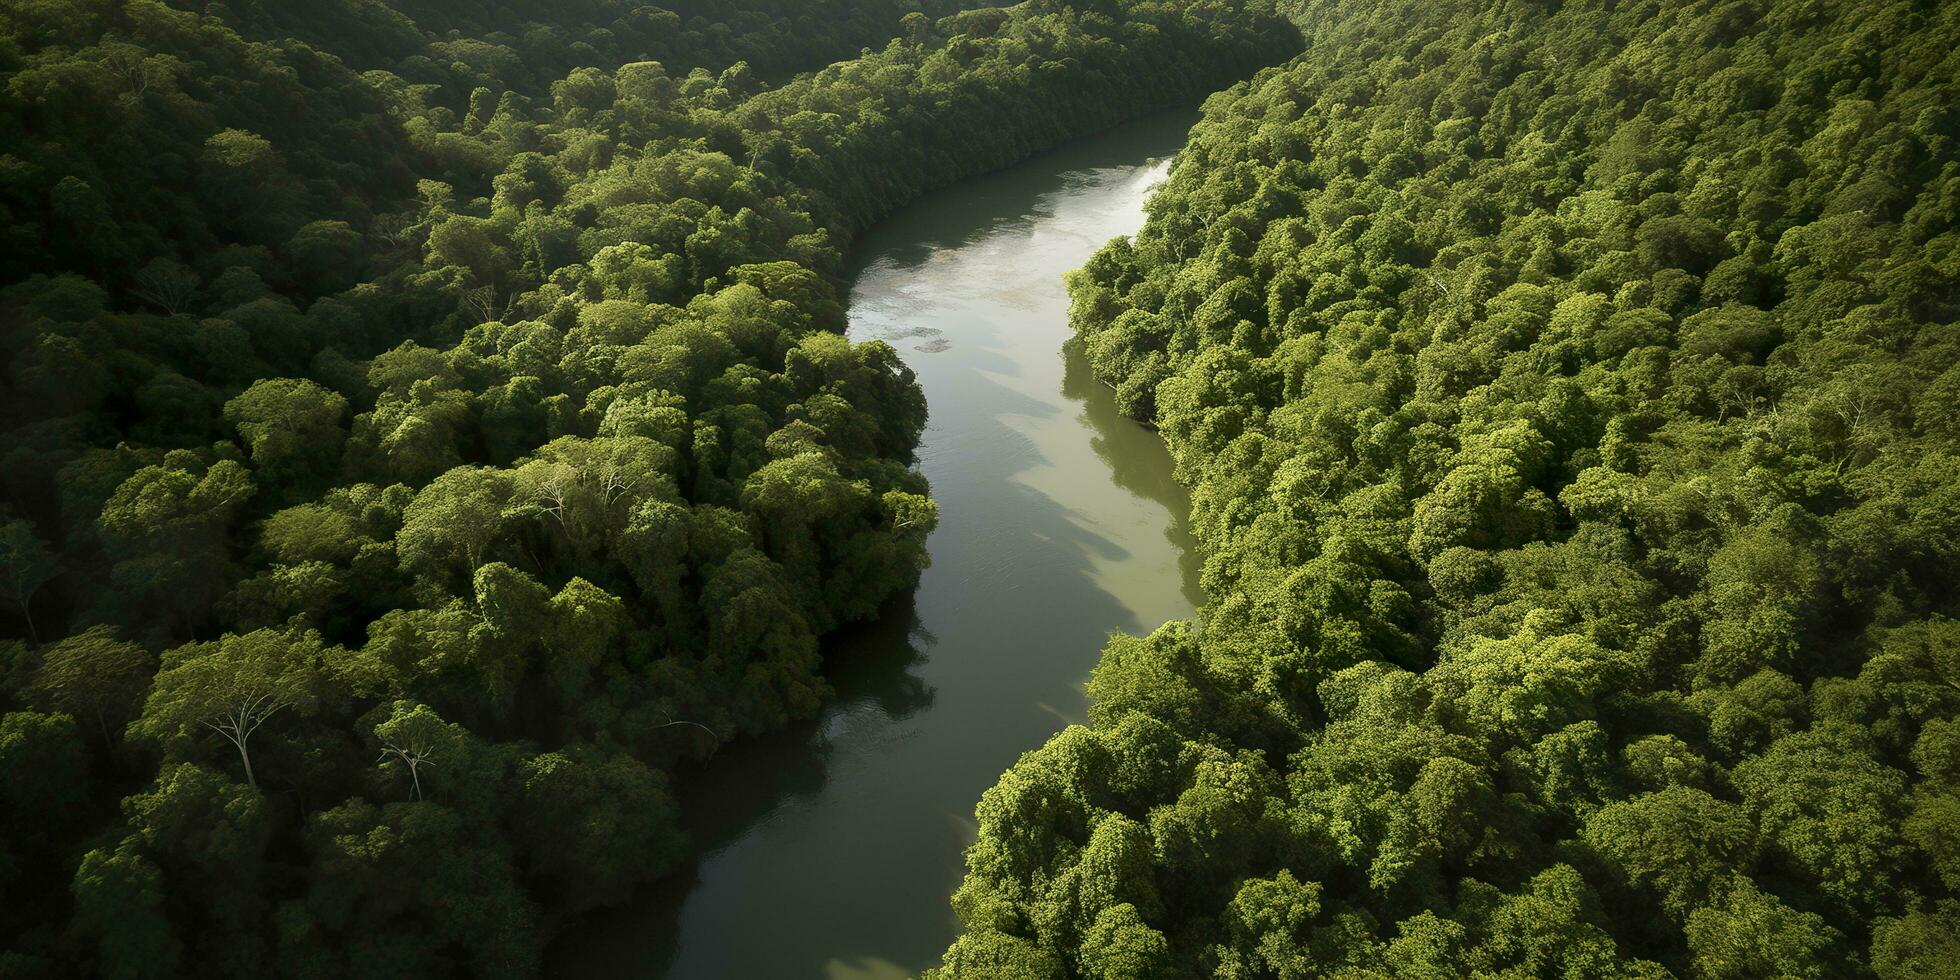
{"points": [[1570, 395], [426, 424]]}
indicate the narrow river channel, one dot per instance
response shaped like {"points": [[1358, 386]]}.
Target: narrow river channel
{"points": [[831, 849]]}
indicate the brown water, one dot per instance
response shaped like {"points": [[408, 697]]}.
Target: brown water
{"points": [[831, 850]]}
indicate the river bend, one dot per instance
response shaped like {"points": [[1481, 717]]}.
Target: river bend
{"points": [[831, 850]]}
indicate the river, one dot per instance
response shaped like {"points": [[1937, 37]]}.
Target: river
{"points": [[831, 850]]}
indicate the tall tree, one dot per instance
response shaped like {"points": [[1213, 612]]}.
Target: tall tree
{"points": [[233, 686]]}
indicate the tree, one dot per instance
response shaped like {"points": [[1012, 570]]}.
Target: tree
{"points": [[1832, 812], [1162, 675], [209, 835], [292, 427], [993, 955], [1267, 928], [167, 526], [1677, 844], [407, 887], [593, 821], [448, 531], [1920, 945], [119, 908], [240, 169], [310, 532], [1484, 501], [93, 675], [48, 767], [1550, 927], [1524, 687], [585, 624], [168, 285], [327, 255], [1749, 934], [1119, 946], [627, 285], [233, 686], [25, 566], [417, 738]]}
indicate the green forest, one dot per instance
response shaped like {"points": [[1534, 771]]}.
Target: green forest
{"points": [[427, 424], [427, 428], [1570, 397]]}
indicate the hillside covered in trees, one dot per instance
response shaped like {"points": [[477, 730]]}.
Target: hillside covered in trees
{"points": [[1570, 395], [425, 424]]}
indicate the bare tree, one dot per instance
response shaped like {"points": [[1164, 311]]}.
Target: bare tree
{"points": [[413, 753], [613, 483], [483, 300], [552, 497]]}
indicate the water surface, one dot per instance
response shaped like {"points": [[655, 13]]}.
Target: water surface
{"points": [[831, 849]]}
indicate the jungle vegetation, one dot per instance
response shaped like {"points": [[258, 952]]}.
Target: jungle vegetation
{"points": [[1570, 395], [427, 424]]}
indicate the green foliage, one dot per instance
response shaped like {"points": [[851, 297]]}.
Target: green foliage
{"points": [[47, 773], [119, 912], [93, 677], [428, 424], [1565, 392], [290, 424], [233, 686]]}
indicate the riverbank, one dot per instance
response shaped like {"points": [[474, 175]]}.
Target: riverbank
{"points": [[1060, 523]]}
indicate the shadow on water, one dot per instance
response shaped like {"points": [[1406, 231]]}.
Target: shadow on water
{"points": [[1137, 461], [830, 849], [867, 664]]}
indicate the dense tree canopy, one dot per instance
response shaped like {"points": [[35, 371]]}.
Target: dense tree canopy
{"points": [[426, 424], [1568, 395]]}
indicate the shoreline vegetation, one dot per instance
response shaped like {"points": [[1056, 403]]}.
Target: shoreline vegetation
{"points": [[1568, 397], [427, 425]]}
